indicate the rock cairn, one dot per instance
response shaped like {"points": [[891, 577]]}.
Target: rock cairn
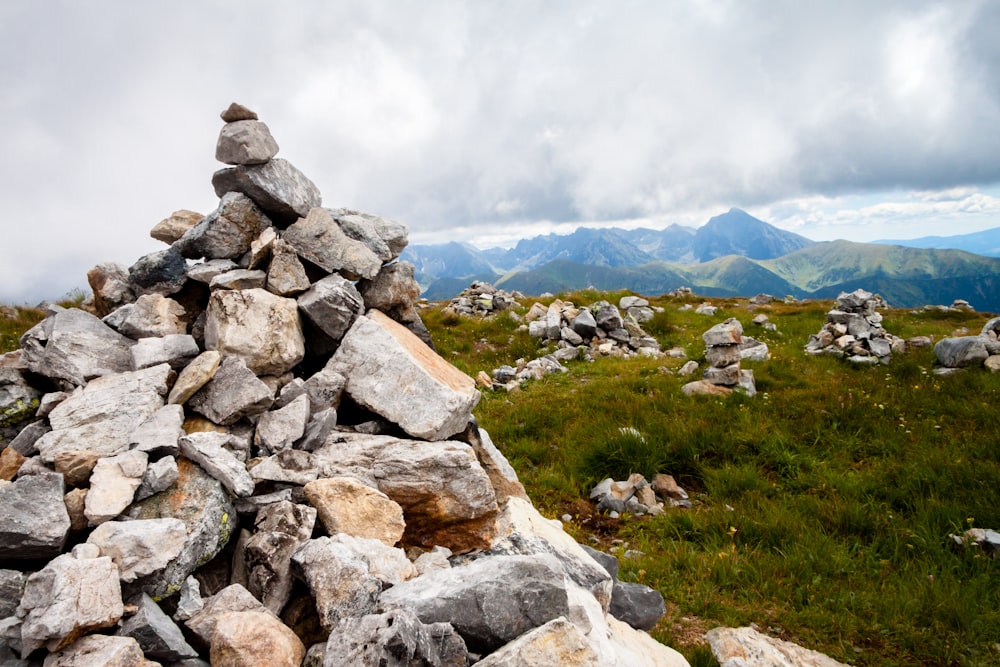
{"points": [[598, 330], [853, 330], [482, 299], [255, 459], [958, 352], [637, 496], [723, 352]]}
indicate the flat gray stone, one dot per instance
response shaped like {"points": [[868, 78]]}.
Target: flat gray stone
{"points": [[386, 238], [113, 485], [102, 416], [279, 429], [961, 352], [233, 392], [175, 349], [282, 191], [319, 239], [34, 522], [332, 304], [206, 450], [157, 635], [75, 346], [163, 272], [153, 315], [380, 639], [140, 548]]}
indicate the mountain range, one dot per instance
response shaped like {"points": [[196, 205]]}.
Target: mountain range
{"points": [[734, 254]]}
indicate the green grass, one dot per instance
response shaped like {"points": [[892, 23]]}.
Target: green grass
{"points": [[14, 321], [822, 506]]}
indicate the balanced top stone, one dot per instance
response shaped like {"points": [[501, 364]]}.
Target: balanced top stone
{"points": [[236, 112]]}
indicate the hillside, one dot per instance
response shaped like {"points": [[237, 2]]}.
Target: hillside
{"points": [[822, 507], [986, 242]]}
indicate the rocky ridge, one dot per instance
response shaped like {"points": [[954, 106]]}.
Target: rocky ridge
{"points": [[251, 454]]}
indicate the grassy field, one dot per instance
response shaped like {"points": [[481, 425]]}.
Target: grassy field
{"points": [[822, 506]]}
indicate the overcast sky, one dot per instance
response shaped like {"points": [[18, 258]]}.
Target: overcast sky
{"points": [[487, 122]]}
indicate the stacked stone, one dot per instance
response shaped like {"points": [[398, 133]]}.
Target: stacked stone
{"points": [[482, 298], [256, 453], [598, 330], [853, 329], [723, 352], [637, 496]]}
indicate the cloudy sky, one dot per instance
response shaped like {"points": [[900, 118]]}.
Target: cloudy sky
{"points": [[487, 122]]}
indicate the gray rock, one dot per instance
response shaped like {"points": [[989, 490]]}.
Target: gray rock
{"points": [[339, 580], [189, 600], [140, 548], [11, 587], [239, 279], [386, 238], [289, 465], [727, 376], [158, 435], [752, 349], [245, 142], [393, 290], [495, 464], [206, 271], [173, 227], [280, 529], [961, 352], [570, 336], [113, 485], [279, 429], [584, 324], [175, 349], [447, 498], [233, 392], [557, 643], [607, 316], [553, 320], [110, 285], [206, 450], [521, 530], [282, 191], [523, 592], [855, 301], [319, 239], [34, 522], [285, 274], [325, 389], [605, 560], [638, 605], [163, 272], [67, 598], [75, 346], [736, 647], [318, 430], [153, 315], [984, 538], [159, 476], [729, 332], [392, 373], [203, 505], [720, 356], [158, 636], [262, 329], [102, 416], [688, 368], [393, 638], [332, 304]]}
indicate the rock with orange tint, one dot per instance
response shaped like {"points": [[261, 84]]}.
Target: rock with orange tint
{"points": [[254, 639], [346, 505], [394, 374], [446, 496]]}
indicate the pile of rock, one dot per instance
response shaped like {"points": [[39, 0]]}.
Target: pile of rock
{"points": [[254, 459], [510, 378], [598, 330], [481, 298], [960, 352], [853, 329], [724, 349], [637, 496]]}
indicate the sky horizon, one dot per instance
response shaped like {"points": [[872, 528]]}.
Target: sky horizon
{"points": [[490, 123]]}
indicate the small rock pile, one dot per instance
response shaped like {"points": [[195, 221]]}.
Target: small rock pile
{"points": [[637, 496], [854, 330], [510, 378], [723, 353], [482, 298], [596, 330], [960, 352], [255, 459]]}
